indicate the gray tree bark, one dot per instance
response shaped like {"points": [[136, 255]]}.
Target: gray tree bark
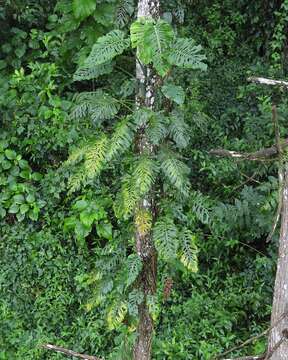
{"points": [[145, 97], [278, 343]]}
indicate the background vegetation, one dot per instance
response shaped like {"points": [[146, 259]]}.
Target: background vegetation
{"points": [[53, 242]]}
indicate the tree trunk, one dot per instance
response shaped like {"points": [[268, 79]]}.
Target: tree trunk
{"points": [[146, 80], [278, 344]]}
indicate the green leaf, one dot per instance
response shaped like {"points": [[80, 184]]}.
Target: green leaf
{"points": [[20, 217], [83, 8], [18, 199], [82, 230], [30, 198], [179, 130], [80, 205], [97, 105], [10, 154], [20, 51], [175, 171], [37, 176], [23, 164], [124, 12], [165, 235], [174, 93], [14, 208], [87, 218], [3, 65], [24, 208], [107, 47], [6, 165], [25, 174], [186, 54], [104, 230], [144, 174], [134, 266], [189, 252], [34, 214], [153, 40], [69, 223], [90, 71], [2, 212]]}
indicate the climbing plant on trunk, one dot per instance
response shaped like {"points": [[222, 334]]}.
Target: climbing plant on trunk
{"points": [[145, 137]]}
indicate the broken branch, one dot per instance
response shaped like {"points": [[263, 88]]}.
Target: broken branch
{"points": [[69, 352], [263, 154], [265, 81], [258, 357]]}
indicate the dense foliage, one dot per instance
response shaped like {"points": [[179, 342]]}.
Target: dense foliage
{"points": [[67, 261]]}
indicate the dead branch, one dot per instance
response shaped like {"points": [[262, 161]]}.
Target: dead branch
{"points": [[252, 339], [69, 352], [265, 81], [263, 154], [258, 357]]}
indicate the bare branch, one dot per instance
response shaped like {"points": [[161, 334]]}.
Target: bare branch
{"points": [[258, 357], [69, 352], [260, 155], [252, 339], [264, 81]]}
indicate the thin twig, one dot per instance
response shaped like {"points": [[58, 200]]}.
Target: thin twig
{"points": [[248, 179], [252, 339], [69, 352], [252, 248], [251, 178]]}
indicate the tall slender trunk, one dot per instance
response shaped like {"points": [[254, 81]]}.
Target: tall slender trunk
{"points": [[278, 344], [144, 243]]}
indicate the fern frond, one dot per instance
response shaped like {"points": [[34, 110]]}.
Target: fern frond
{"points": [[142, 116], [121, 139], [201, 207], [165, 236], [95, 157], [127, 198], [107, 47], [76, 155], [157, 128], [135, 298], [76, 179], [124, 12], [86, 72], [143, 221], [144, 174], [116, 314], [179, 14], [189, 250], [134, 266], [179, 130], [175, 171], [153, 306], [186, 54], [97, 105], [134, 187]]}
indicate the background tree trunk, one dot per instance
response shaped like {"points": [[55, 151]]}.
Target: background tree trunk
{"points": [[144, 244], [280, 301]]}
